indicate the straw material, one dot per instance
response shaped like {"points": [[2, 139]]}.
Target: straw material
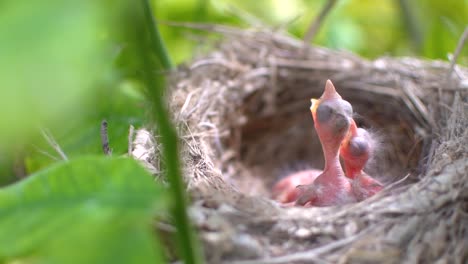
{"points": [[243, 115]]}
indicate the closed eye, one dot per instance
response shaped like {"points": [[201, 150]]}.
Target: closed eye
{"points": [[358, 147], [324, 112]]}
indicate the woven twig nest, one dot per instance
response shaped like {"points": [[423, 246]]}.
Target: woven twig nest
{"points": [[242, 112]]}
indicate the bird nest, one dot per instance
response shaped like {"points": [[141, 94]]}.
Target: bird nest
{"points": [[242, 112]]}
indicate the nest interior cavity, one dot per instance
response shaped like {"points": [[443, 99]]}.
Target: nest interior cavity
{"points": [[243, 114]]}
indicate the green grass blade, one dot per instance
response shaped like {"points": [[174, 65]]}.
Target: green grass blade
{"points": [[188, 244], [87, 210], [155, 38]]}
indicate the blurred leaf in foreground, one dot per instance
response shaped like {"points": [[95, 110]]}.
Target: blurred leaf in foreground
{"points": [[52, 53], [89, 210], [118, 104], [443, 23], [57, 70]]}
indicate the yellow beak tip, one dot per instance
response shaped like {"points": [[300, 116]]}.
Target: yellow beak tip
{"points": [[313, 102]]}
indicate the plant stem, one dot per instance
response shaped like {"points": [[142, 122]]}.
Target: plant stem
{"points": [[461, 43], [187, 241], [155, 38], [317, 22]]}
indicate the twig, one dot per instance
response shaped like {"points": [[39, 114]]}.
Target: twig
{"points": [[393, 184], [454, 58], [50, 139], [204, 27], [186, 103], [105, 139], [418, 108], [306, 256], [247, 17], [317, 22], [271, 96], [131, 133], [457, 52], [283, 26], [234, 32], [45, 153]]}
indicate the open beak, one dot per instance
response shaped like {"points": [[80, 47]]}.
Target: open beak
{"points": [[353, 132], [353, 129], [328, 93], [313, 106]]}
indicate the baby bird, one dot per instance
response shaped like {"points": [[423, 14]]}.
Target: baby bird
{"points": [[356, 150], [332, 119], [285, 191]]}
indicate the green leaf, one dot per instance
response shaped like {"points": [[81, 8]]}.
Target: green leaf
{"points": [[52, 54], [89, 210]]}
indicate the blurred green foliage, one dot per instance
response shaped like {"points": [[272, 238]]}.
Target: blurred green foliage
{"points": [[61, 68], [89, 210], [89, 63], [66, 66], [367, 27], [442, 23], [41, 76]]}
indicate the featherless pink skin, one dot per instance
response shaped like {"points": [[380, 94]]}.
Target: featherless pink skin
{"points": [[285, 191], [356, 150], [332, 119]]}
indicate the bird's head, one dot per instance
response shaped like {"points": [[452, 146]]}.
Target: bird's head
{"points": [[357, 147], [332, 116]]}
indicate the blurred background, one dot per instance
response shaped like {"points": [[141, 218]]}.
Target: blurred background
{"points": [[423, 28], [67, 65], [63, 69]]}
